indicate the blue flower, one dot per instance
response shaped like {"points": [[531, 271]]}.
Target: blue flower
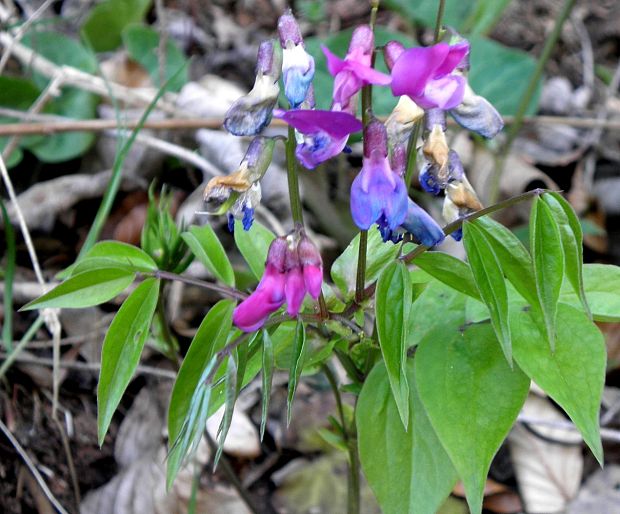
{"points": [[422, 226]]}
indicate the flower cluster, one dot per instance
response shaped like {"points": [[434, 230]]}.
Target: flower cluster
{"points": [[293, 268], [430, 82]]}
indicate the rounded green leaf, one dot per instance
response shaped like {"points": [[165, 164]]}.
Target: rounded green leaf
{"points": [[85, 289], [111, 254], [408, 470], [122, 348], [471, 396], [574, 374]]}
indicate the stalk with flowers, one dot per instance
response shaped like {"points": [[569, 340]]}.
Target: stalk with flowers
{"points": [[439, 353]]}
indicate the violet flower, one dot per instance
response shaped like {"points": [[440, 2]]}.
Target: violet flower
{"points": [[325, 133], [378, 194], [426, 75], [297, 64], [422, 226], [355, 71], [293, 268]]}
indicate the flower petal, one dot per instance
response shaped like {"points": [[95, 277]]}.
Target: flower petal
{"points": [[422, 226], [319, 148], [367, 74], [294, 290], [334, 123], [313, 278], [454, 57], [415, 67], [444, 93], [334, 63]]}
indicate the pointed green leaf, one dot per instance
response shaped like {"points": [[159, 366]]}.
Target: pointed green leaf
{"points": [[490, 281], [253, 245], [114, 254], [210, 337], [602, 287], [548, 257], [85, 289], [122, 348], [574, 374], [297, 358], [268, 364], [230, 386], [379, 255], [472, 398], [205, 245], [449, 270], [408, 470], [392, 307], [572, 242], [513, 257]]}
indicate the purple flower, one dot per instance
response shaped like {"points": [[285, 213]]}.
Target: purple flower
{"points": [[355, 71], [325, 133], [293, 268], [426, 75], [378, 194], [422, 226]]}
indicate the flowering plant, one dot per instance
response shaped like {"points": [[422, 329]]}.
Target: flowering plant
{"points": [[439, 352]]}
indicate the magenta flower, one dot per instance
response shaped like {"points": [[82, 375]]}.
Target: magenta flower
{"points": [[426, 75], [293, 268], [355, 71], [378, 194], [325, 133]]}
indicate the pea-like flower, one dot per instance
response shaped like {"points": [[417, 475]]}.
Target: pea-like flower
{"points": [[378, 194], [297, 64], [422, 226], [427, 74], [355, 71], [239, 192], [252, 112], [325, 133], [293, 268]]}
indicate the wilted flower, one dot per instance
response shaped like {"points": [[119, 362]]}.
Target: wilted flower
{"points": [[239, 192], [297, 65], [460, 200], [293, 268], [355, 71], [252, 112], [426, 74], [378, 194], [325, 133]]}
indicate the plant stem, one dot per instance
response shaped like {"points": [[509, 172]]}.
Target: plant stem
{"points": [[223, 290], [30, 333], [412, 154], [293, 180], [526, 99], [440, 10], [353, 481]]}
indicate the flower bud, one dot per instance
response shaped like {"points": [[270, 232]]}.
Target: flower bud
{"points": [[391, 52], [312, 266], [375, 139], [475, 113]]}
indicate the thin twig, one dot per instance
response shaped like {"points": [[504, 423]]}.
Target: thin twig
{"points": [[230, 292], [33, 469]]}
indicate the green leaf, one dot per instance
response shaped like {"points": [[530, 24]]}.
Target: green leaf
{"points": [[253, 245], [471, 396], [408, 470], [210, 337], [72, 103], [548, 258], [485, 15], [574, 374], [501, 75], [425, 11], [205, 245], [142, 44], [438, 304], [602, 288], [107, 20], [490, 282], [392, 307], [449, 270], [514, 259], [379, 255], [268, 364], [572, 242], [382, 99], [299, 343], [122, 348], [8, 278], [230, 386], [85, 289], [114, 254]]}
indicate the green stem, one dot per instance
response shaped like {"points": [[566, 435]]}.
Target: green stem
{"points": [[412, 154], [30, 333], [353, 479], [440, 10], [293, 179], [526, 99], [360, 279], [9, 275]]}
